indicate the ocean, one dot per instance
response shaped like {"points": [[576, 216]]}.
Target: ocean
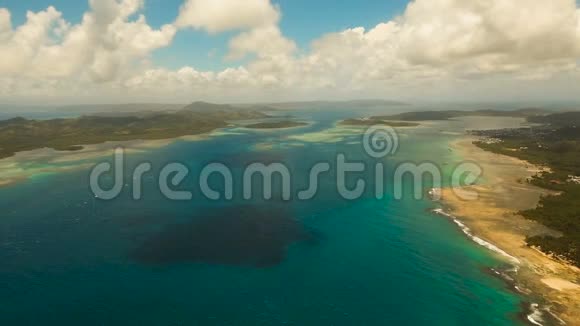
{"points": [[68, 258]]}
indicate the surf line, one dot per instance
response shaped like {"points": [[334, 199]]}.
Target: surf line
{"points": [[536, 313], [467, 231]]}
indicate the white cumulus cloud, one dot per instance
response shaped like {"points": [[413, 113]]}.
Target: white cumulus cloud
{"points": [[101, 47], [450, 47], [223, 15]]}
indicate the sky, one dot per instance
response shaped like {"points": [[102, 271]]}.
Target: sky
{"points": [[119, 51]]}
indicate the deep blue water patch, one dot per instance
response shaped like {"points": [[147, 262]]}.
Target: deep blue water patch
{"points": [[239, 235]]}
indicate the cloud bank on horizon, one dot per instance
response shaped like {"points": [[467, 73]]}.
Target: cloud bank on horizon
{"points": [[440, 48]]}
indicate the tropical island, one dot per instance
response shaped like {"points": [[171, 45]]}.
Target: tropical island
{"points": [[527, 207], [276, 125], [411, 119], [20, 134], [375, 121], [554, 143], [451, 114]]}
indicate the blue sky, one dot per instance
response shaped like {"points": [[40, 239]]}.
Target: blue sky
{"points": [[302, 21]]}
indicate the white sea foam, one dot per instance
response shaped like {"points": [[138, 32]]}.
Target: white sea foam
{"points": [[536, 316], [435, 194], [477, 239]]}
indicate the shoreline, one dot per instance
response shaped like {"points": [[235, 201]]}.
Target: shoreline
{"points": [[492, 221], [58, 161]]}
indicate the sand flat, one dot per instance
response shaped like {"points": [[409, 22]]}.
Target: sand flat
{"points": [[493, 217], [560, 284]]}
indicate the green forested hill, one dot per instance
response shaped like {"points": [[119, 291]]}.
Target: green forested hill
{"points": [[21, 134]]}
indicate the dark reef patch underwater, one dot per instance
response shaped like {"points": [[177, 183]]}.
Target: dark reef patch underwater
{"points": [[239, 235]]}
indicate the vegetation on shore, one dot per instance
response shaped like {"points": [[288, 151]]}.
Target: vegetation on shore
{"points": [[21, 134], [376, 122], [555, 144], [276, 125]]}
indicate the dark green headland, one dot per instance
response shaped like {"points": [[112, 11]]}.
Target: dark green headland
{"points": [[21, 134]]}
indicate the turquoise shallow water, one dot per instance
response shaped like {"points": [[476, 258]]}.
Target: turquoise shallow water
{"points": [[70, 259]]}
